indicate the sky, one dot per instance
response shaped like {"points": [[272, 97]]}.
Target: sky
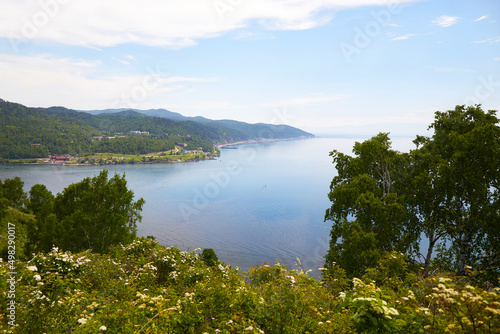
{"points": [[330, 67]]}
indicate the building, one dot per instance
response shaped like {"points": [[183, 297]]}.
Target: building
{"points": [[60, 158]]}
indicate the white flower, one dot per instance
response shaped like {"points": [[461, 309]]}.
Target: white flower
{"points": [[342, 295], [103, 328], [32, 268], [37, 277], [249, 328], [82, 321]]}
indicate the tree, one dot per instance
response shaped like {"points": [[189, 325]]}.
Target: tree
{"points": [[209, 257], [12, 190], [21, 223], [447, 190], [463, 177], [369, 215], [46, 232], [97, 213], [41, 201]]}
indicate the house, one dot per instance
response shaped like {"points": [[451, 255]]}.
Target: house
{"points": [[59, 158]]}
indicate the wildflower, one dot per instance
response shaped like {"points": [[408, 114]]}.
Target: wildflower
{"points": [[171, 308], [37, 277], [32, 268], [249, 328], [103, 328], [320, 323], [82, 321], [342, 295]]}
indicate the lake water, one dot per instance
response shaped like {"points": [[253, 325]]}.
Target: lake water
{"points": [[259, 203]]}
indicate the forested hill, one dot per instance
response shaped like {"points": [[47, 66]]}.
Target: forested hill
{"points": [[250, 131], [37, 132]]}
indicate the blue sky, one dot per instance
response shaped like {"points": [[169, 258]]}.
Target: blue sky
{"points": [[339, 67]]}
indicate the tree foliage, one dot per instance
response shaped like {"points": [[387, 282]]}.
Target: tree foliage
{"points": [[464, 155], [35, 133], [446, 190], [369, 213], [95, 213]]}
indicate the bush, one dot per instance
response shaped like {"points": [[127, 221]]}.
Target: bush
{"points": [[147, 288]]}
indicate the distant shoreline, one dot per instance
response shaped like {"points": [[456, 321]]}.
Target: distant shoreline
{"points": [[214, 157], [257, 141]]}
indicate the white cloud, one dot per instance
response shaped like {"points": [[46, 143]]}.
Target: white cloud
{"points": [[446, 21], [496, 59], [171, 23], [407, 36], [489, 40], [403, 37], [45, 80], [481, 18]]}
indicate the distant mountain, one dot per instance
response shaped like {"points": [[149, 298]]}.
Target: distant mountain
{"points": [[251, 131], [163, 113], [27, 133]]}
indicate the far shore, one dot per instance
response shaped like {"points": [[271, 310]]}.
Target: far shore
{"points": [[119, 160], [263, 140]]}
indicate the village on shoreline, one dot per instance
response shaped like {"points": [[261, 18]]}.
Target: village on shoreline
{"points": [[176, 155]]}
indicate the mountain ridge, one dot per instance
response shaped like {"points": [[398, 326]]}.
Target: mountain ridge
{"points": [[254, 130]]}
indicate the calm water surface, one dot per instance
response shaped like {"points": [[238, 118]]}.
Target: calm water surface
{"points": [[258, 203]]}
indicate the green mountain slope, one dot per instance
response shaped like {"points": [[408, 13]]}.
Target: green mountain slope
{"points": [[27, 133], [38, 132], [249, 131]]}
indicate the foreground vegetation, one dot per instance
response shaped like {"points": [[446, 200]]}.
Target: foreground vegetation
{"points": [[147, 288]]}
